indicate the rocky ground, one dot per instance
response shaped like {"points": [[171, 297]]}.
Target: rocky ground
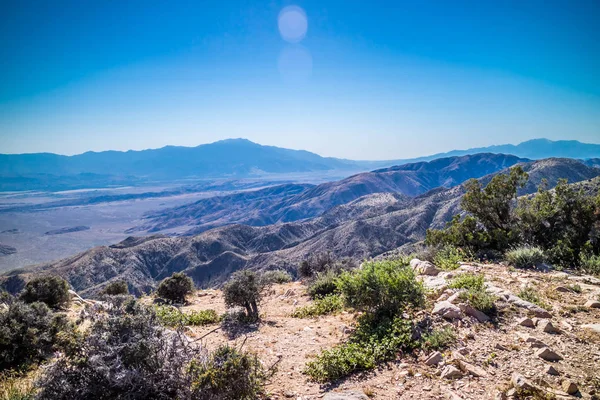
{"points": [[549, 352]]}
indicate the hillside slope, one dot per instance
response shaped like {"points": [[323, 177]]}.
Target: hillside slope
{"points": [[366, 227], [287, 204]]}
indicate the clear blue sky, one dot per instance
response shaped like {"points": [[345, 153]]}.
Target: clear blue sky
{"points": [[369, 80]]}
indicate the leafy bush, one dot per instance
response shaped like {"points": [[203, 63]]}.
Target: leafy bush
{"points": [[439, 339], [16, 387], [373, 342], [171, 316], [29, 333], [229, 374], [324, 262], [321, 306], [468, 281], [116, 288], [52, 290], [324, 284], [129, 355], [176, 287], [244, 289], [591, 264], [529, 294], [448, 257], [525, 257], [481, 300], [382, 287], [276, 276]]}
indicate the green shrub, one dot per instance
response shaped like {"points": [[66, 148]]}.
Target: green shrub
{"points": [[323, 262], [591, 264], [373, 342], [324, 284], [468, 281], [439, 339], [244, 289], [529, 294], [115, 288], [228, 374], [29, 333], [276, 276], [525, 257], [481, 300], [171, 316], [16, 387], [176, 287], [52, 290], [321, 306], [127, 354], [448, 257], [382, 287]]}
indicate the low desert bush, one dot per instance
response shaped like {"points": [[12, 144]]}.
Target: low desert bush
{"points": [[481, 300], [244, 289], [438, 339], [171, 316], [127, 354], [52, 290], [525, 257], [591, 264], [276, 276], [176, 287], [448, 257], [329, 304], [468, 281], [16, 387], [29, 333], [382, 287], [115, 288], [323, 284], [531, 295]]}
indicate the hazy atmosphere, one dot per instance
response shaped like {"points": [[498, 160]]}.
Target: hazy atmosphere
{"points": [[386, 81]]}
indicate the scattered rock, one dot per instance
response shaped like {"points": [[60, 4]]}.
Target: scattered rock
{"points": [[570, 387], [447, 310], [533, 341], [451, 372], [517, 301], [526, 322], [592, 304], [423, 267], [546, 354], [352, 395], [563, 289], [475, 313], [452, 299], [434, 359], [519, 382], [546, 326], [471, 369], [550, 370], [591, 327]]}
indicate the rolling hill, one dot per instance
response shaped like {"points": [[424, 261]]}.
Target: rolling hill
{"points": [[366, 227]]}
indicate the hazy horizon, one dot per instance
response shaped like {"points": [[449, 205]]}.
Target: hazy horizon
{"points": [[339, 79]]}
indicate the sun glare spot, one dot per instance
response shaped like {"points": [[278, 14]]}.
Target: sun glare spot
{"points": [[292, 24]]}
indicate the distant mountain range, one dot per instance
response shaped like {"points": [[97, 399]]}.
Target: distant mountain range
{"points": [[365, 227], [224, 159]]}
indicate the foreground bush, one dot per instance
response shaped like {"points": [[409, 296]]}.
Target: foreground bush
{"points": [[116, 288], [52, 290], [323, 284], [321, 306], [439, 339], [382, 287], [474, 292], [170, 316], [176, 287], [448, 258], [129, 355], [525, 257], [468, 281], [29, 333], [244, 289]]}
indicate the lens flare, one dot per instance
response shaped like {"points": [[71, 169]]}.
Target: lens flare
{"points": [[292, 24]]}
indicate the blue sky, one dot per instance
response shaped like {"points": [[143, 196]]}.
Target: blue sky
{"points": [[369, 80]]}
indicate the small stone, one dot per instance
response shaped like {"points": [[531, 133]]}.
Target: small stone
{"points": [[352, 395], [519, 382], [455, 296], [570, 387], [533, 341], [423, 267], [471, 369], [546, 326], [592, 304], [475, 313], [447, 310], [451, 372], [550, 370], [434, 359], [546, 354], [526, 322], [563, 289]]}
